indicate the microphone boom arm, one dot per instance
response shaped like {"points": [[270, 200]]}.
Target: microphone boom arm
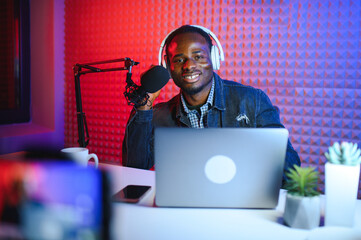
{"points": [[78, 70]]}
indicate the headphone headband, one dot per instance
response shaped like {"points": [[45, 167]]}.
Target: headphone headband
{"points": [[217, 54]]}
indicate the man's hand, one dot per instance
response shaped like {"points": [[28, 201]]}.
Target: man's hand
{"points": [[149, 104]]}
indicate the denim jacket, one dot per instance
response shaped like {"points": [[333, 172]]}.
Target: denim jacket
{"points": [[235, 105]]}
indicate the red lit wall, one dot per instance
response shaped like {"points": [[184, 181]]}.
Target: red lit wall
{"points": [[304, 54]]}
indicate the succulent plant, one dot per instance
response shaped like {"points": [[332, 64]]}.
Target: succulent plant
{"points": [[302, 181], [345, 153]]}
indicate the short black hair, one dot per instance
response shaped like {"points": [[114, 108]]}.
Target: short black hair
{"points": [[188, 29]]}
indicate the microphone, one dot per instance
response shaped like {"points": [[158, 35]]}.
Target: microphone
{"points": [[151, 81], [154, 79]]}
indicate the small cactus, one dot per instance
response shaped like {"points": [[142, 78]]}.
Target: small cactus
{"points": [[345, 153]]}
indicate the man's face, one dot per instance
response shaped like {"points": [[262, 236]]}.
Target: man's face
{"points": [[190, 63]]}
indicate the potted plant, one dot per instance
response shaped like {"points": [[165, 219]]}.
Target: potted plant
{"points": [[342, 172], [302, 209]]}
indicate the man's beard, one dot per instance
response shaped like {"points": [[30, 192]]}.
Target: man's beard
{"points": [[192, 90]]}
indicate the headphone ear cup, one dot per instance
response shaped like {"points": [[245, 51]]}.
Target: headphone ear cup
{"points": [[216, 63]]}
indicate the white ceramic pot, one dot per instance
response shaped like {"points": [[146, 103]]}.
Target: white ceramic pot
{"points": [[302, 212], [341, 185]]}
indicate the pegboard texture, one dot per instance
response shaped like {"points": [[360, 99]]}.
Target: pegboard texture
{"points": [[304, 54]]}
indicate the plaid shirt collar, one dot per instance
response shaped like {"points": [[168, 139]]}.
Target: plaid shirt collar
{"points": [[193, 115]]}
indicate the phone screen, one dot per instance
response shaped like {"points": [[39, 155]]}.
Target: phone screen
{"points": [[131, 193], [69, 197]]}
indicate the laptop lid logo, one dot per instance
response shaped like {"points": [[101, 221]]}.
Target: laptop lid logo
{"points": [[220, 169]]}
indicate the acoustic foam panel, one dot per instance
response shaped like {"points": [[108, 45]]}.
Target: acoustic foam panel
{"points": [[304, 54]]}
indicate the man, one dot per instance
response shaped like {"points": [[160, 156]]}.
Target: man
{"points": [[205, 100]]}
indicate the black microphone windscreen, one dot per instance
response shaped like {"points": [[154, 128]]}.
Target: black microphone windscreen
{"points": [[154, 79]]}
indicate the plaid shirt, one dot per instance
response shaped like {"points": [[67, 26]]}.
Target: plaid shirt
{"points": [[199, 120]]}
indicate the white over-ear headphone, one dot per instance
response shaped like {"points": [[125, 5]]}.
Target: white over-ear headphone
{"points": [[217, 54]]}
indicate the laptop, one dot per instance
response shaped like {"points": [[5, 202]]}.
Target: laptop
{"points": [[219, 167]]}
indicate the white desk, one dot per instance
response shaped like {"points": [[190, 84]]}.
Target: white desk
{"points": [[144, 221]]}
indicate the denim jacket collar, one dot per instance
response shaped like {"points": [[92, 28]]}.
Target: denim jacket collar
{"points": [[219, 98]]}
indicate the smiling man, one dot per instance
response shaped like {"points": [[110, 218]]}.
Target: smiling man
{"points": [[205, 100]]}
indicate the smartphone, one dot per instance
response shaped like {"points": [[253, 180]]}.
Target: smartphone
{"points": [[41, 192], [131, 193]]}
